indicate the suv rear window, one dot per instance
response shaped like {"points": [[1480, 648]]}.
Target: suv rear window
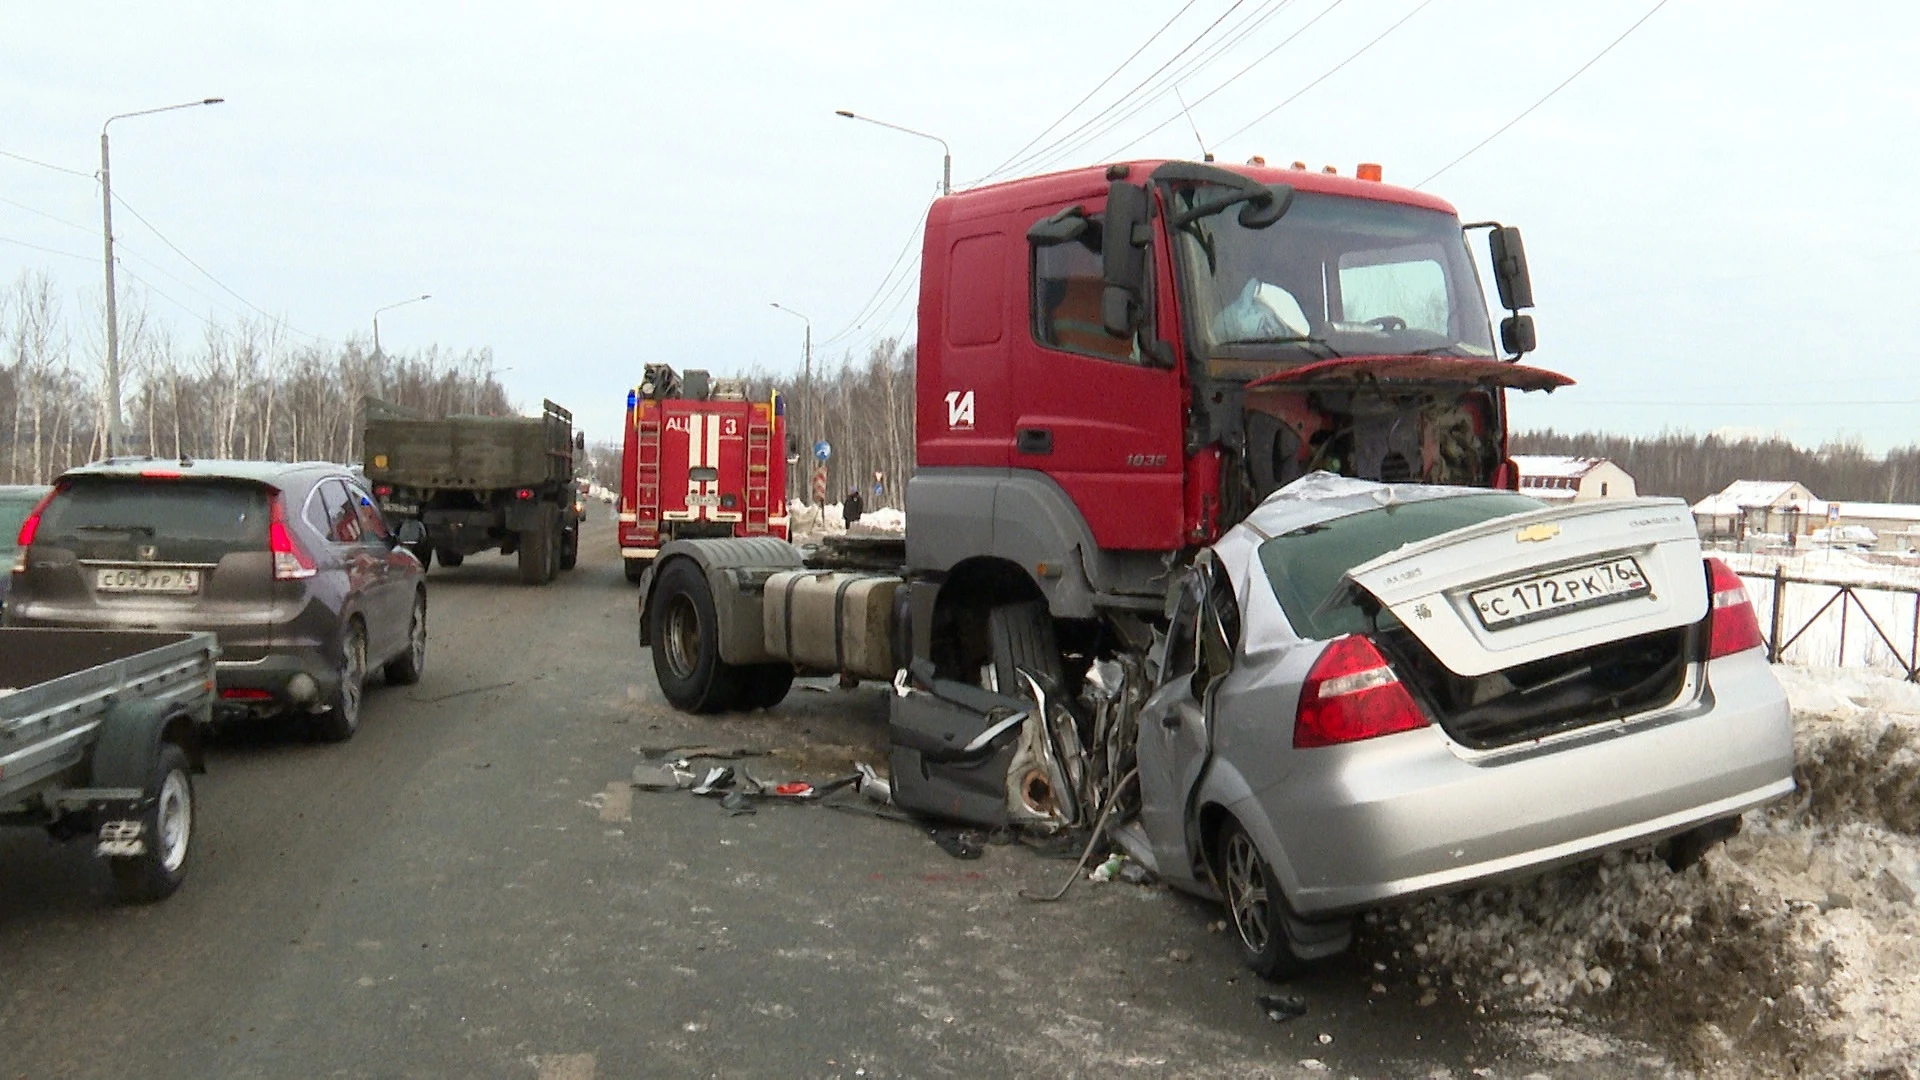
{"points": [[1306, 565], [183, 521]]}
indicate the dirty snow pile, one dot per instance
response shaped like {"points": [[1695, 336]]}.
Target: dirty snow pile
{"points": [[1794, 948], [807, 522]]}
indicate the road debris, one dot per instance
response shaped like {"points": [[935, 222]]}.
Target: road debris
{"points": [[1281, 1008]]}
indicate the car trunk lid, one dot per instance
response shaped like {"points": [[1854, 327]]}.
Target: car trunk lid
{"points": [[1522, 589]]}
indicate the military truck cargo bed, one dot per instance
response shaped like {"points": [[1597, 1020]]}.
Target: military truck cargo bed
{"points": [[468, 452]]}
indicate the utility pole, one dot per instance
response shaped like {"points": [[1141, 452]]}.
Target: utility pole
{"points": [[390, 307], [114, 438], [806, 384]]}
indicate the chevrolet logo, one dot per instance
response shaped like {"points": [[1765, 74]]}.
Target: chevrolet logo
{"points": [[1546, 530]]}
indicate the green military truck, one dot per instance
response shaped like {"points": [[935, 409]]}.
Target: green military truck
{"points": [[479, 483]]}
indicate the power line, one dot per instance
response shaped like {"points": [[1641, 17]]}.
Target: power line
{"points": [[1206, 59], [1155, 36], [209, 275], [45, 165], [1231, 79], [49, 217], [884, 286], [1543, 100], [48, 250], [1122, 100], [1355, 55]]}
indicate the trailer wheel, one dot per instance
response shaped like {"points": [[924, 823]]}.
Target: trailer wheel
{"points": [[1022, 637], [686, 643], [168, 831], [636, 569], [570, 548], [536, 555]]}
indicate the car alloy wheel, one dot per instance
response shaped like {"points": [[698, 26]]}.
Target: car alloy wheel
{"points": [[1246, 888]]}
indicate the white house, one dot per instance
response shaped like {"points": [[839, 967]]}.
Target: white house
{"points": [[1758, 506], [1895, 526], [1572, 479]]}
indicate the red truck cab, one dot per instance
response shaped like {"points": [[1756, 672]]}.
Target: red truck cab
{"points": [[1087, 407]]}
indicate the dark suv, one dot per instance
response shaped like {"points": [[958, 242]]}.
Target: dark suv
{"points": [[291, 565]]}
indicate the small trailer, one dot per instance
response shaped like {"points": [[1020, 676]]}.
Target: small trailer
{"points": [[100, 735]]}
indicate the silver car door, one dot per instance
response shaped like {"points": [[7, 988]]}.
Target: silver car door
{"points": [[1175, 739]]}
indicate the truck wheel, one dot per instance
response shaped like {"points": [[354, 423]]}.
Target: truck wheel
{"points": [[405, 669], [636, 569], [569, 548], [554, 539], [168, 830], [451, 559], [342, 717], [1022, 637], [536, 556], [765, 685], [686, 643]]}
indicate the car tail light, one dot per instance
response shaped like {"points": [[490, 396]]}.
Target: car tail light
{"points": [[31, 526], [1352, 694], [245, 693], [290, 561], [1732, 626], [523, 494]]}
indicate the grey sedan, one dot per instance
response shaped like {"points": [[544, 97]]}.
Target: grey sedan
{"points": [[1370, 693]]}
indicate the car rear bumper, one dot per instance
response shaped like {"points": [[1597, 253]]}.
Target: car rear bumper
{"points": [[292, 678], [1412, 814]]}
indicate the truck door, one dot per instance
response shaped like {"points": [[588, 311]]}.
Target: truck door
{"points": [[1089, 410]]}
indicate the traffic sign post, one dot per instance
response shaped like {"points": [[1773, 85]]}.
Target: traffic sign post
{"points": [[819, 485]]}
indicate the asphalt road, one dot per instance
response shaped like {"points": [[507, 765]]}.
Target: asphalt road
{"points": [[471, 888]]}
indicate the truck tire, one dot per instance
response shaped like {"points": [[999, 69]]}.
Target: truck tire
{"points": [[536, 555], [686, 643], [1022, 637], [451, 559], [570, 548], [765, 685], [636, 569], [168, 830], [342, 717]]}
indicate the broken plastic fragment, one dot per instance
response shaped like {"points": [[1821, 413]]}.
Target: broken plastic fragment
{"points": [[793, 789], [715, 778], [1281, 1008]]}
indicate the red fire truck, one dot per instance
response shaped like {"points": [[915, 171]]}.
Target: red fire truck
{"points": [[701, 461]]}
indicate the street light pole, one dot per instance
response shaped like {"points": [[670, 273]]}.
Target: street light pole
{"points": [[106, 227], [390, 307], [806, 382], [946, 161]]}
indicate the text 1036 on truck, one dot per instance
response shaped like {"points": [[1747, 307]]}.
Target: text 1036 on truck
{"points": [[701, 461]]}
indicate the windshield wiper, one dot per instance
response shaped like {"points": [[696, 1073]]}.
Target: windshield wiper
{"points": [[1290, 339], [146, 529]]}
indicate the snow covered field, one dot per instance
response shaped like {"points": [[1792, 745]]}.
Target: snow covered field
{"points": [[1794, 949]]}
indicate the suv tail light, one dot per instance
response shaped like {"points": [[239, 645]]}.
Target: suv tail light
{"points": [[1732, 626], [290, 561], [1352, 694], [31, 526]]}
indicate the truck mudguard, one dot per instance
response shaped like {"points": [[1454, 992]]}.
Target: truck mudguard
{"points": [[736, 569], [1025, 518], [129, 742]]}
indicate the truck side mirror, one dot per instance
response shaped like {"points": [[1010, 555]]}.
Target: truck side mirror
{"points": [[1123, 257], [1510, 268], [579, 440], [1064, 227], [1516, 334]]}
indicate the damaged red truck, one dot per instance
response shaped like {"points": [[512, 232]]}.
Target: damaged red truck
{"points": [[1115, 365]]}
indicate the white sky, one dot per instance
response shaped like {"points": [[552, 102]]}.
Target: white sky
{"points": [[1719, 214]]}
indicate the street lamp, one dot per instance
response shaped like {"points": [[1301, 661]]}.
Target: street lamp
{"points": [[390, 307], [106, 221], [946, 163], [806, 382]]}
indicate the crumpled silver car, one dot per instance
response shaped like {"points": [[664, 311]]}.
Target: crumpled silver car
{"points": [[1372, 692]]}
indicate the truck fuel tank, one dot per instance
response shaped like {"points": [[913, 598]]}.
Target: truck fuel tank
{"points": [[829, 620]]}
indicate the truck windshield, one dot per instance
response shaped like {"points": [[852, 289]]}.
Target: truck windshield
{"points": [[1306, 565], [1335, 276]]}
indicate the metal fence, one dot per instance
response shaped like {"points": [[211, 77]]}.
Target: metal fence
{"points": [[1828, 621]]}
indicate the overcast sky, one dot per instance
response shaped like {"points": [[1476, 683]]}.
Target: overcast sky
{"points": [[1720, 213]]}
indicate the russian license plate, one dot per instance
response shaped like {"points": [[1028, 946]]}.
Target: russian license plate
{"points": [[1573, 589], [400, 508], [703, 500], [172, 580]]}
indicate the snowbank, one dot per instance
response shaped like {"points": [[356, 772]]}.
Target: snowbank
{"points": [[810, 523], [1792, 949]]}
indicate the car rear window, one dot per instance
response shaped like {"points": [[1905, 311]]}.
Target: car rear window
{"points": [[156, 520], [1306, 565]]}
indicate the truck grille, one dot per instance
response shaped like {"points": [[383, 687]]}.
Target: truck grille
{"points": [[1559, 693]]}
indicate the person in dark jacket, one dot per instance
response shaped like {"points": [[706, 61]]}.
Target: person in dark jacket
{"points": [[851, 508]]}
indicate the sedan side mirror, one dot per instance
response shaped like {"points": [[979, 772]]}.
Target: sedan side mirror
{"points": [[411, 532]]}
